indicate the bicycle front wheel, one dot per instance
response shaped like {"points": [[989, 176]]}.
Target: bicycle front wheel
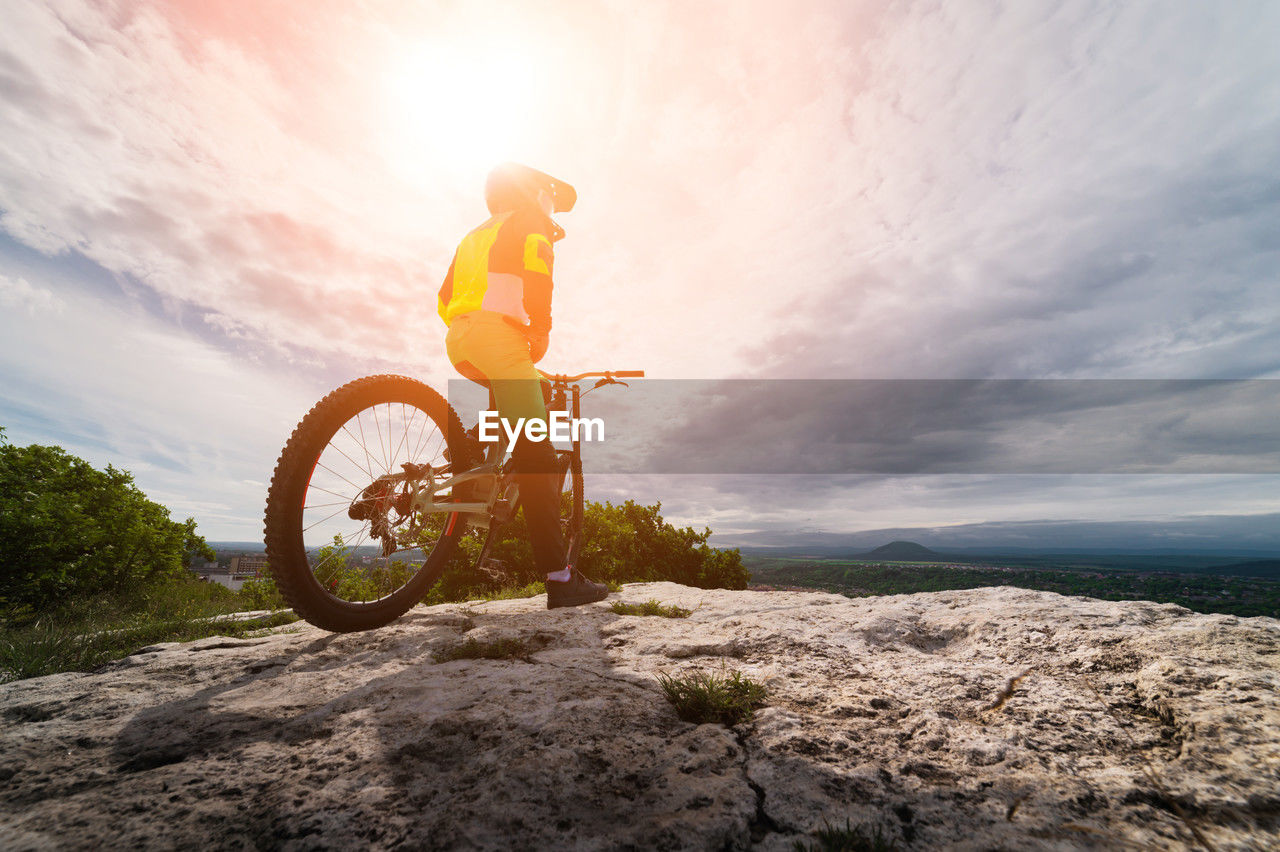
{"points": [[344, 543], [571, 506]]}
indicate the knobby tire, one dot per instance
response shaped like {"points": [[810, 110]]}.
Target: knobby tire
{"points": [[286, 551]]}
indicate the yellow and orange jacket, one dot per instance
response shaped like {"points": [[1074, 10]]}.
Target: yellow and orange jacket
{"points": [[504, 266]]}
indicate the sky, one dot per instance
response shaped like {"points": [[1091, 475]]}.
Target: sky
{"points": [[213, 214]]}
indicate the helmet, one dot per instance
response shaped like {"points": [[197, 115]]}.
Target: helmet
{"points": [[512, 186]]}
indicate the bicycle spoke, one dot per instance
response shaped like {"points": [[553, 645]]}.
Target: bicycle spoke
{"points": [[334, 493], [417, 444], [366, 468], [359, 541], [419, 431], [422, 439], [439, 441], [355, 464], [403, 435], [321, 521], [378, 429], [391, 457], [340, 476], [364, 442]]}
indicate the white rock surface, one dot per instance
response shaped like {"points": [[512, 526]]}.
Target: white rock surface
{"points": [[878, 716]]}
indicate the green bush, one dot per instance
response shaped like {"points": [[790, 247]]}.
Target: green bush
{"points": [[261, 593], [70, 530], [632, 543], [333, 569], [629, 543]]}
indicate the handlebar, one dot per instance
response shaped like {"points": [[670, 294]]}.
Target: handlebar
{"points": [[560, 378]]}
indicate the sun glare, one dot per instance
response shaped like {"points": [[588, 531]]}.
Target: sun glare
{"points": [[459, 108]]}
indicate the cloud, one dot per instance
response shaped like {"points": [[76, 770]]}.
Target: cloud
{"points": [[835, 190], [195, 425], [866, 511], [18, 293], [181, 162], [977, 191], [1049, 192], [918, 426]]}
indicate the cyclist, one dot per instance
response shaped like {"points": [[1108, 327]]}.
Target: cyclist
{"points": [[496, 301]]}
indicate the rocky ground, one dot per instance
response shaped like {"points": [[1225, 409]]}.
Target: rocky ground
{"points": [[982, 719]]}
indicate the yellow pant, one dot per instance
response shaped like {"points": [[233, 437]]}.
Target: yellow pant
{"points": [[486, 348]]}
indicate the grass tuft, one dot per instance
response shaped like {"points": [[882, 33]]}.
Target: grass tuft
{"points": [[700, 697], [87, 632], [503, 648], [851, 838], [650, 607], [49, 645]]}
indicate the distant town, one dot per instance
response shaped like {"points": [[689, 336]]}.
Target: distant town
{"points": [[236, 562], [231, 567]]}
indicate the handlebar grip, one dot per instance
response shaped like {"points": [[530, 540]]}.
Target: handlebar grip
{"points": [[629, 374]]}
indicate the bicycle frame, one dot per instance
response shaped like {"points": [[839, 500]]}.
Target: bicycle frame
{"points": [[405, 494], [503, 493]]}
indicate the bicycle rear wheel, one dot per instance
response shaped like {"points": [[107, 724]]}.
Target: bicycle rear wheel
{"points": [[345, 548]]}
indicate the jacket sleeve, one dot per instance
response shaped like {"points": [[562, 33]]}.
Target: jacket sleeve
{"points": [[446, 291], [536, 272]]}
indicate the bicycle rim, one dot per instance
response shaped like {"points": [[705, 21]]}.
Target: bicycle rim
{"points": [[345, 546]]}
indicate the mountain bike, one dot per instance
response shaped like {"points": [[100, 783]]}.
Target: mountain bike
{"points": [[365, 508]]}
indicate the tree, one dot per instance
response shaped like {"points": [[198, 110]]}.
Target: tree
{"points": [[335, 569], [627, 544], [67, 528]]}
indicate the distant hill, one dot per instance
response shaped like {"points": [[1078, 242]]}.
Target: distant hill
{"points": [[1228, 563], [903, 551], [1269, 568]]}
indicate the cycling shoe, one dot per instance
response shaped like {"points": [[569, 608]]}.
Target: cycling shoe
{"points": [[576, 591]]}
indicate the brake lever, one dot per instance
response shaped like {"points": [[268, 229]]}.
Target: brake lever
{"points": [[609, 381]]}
